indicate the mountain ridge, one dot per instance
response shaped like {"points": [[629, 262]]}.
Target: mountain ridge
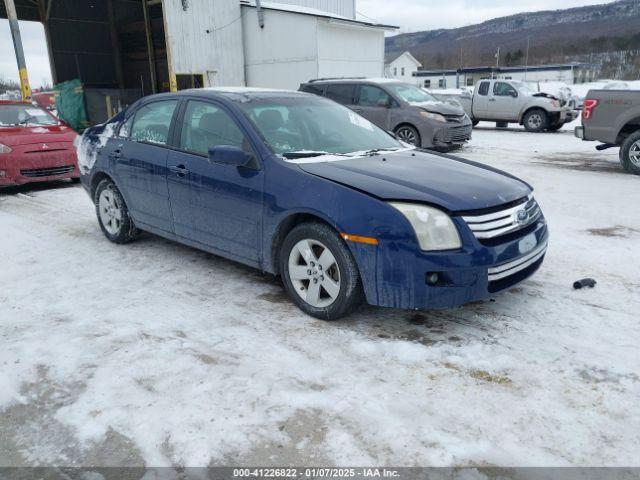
{"points": [[554, 36]]}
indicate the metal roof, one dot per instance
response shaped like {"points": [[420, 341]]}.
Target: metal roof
{"points": [[314, 13]]}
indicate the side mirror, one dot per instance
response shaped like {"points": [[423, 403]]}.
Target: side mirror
{"points": [[513, 93], [229, 155]]}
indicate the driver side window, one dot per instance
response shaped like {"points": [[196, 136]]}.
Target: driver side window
{"points": [[502, 89], [373, 97]]}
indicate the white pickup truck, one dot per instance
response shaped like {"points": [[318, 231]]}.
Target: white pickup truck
{"points": [[510, 101]]}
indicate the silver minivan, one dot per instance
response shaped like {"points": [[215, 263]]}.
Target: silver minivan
{"points": [[413, 115]]}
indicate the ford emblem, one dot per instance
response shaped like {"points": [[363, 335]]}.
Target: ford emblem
{"points": [[521, 217]]}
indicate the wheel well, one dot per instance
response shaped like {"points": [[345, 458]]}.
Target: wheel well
{"points": [[631, 127], [95, 180], [283, 230]]}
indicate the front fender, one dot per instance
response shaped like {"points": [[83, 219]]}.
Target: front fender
{"points": [[290, 191]]}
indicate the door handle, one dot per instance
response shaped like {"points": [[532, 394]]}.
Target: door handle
{"points": [[492, 99], [116, 154], [179, 170]]}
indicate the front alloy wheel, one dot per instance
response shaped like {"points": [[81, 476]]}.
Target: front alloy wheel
{"points": [[319, 273], [314, 273], [408, 134]]}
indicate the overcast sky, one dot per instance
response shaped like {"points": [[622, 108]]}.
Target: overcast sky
{"points": [[410, 15]]}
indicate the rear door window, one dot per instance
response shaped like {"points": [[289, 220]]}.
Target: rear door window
{"points": [[152, 122], [341, 92], [483, 89]]}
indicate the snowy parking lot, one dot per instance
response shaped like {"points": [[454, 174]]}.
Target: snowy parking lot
{"points": [[156, 354]]}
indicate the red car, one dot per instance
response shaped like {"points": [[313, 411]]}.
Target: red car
{"points": [[34, 145]]}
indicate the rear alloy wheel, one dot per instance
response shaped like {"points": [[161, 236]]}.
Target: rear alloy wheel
{"points": [[408, 134], [536, 120], [630, 153], [319, 273], [112, 212]]}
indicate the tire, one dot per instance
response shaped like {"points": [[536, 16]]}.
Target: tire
{"points": [[555, 127], [536, 120], [313, 258], [630, 153], [409, 134], [475, 122], [113, 214]]}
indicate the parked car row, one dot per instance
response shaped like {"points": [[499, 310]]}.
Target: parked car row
{"points": [[339, 189]]}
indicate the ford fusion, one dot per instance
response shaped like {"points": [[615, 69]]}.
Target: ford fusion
{"points": [[302, 187]]}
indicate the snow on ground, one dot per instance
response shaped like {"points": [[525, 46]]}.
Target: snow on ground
{"points": [[154, 353]]}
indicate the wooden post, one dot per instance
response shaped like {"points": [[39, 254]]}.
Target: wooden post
{"points": [[115, 44], [17, 46], [150, 49]]}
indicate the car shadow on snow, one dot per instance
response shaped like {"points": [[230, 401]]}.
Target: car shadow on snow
{"points": [[29, 188]]}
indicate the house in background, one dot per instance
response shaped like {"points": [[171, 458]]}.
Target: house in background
{"points": [[402, 67]]}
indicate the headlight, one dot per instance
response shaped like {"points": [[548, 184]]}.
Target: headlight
{"points": [[555, 103], [433, 116], [434, 229], [5, 148]]}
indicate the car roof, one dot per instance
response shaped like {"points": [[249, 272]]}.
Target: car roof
{"points": [[234, 94], [377, 81]]}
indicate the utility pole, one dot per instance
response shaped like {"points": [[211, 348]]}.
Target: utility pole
{"points": [[260, 14], [526, 62], [17, 46]]}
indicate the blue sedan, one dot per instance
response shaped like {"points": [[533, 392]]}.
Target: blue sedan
{"points": [[301, 187]]}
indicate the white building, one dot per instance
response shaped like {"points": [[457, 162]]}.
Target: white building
{"points": [[276, 45], [402, 67], [297, 44], [124, 49], [569, 73]]}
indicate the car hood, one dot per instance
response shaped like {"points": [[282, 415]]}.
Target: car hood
{"points": [[452, 183], [439, 107], [15, 136]]}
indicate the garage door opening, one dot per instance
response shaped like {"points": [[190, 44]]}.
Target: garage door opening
{"points": [[116, 48]]}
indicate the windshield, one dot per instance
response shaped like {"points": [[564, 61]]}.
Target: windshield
{"points": [[524, 87], [27, 115], [307, 126], [410, 93]]}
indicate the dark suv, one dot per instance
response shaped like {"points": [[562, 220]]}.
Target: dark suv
{"points": [[415, 116]]}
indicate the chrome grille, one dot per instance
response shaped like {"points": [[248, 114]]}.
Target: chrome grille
{"points": [[505, 221], [511, 268]]}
